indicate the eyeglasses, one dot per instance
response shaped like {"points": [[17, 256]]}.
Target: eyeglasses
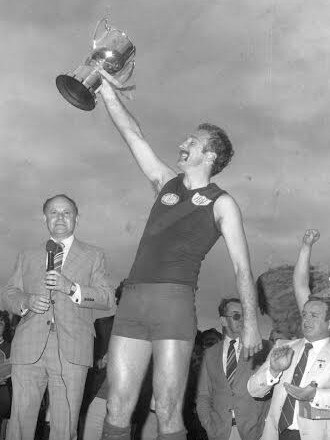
{"points": [[235, 316]]}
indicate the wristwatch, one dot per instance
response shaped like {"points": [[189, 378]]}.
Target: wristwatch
{"points": [[73, 289]]}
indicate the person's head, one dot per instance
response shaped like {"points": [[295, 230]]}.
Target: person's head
{"points": [[5, 331], [316, 319], [210, 337], [231, 317], [208, 145], [60, 216], [276, 334]]}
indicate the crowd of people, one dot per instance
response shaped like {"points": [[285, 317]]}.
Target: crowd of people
{"points": [[225, 386]]}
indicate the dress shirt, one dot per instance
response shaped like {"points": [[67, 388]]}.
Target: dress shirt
{"points": [[237, 347], [67, 242], [312, 357], [76, 297], [226, 343]]}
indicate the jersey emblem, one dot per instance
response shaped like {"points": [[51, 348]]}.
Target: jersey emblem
{"points": [[199, 200], [170, 199]]}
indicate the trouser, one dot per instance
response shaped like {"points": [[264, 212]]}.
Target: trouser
{"points": [[65, 382]]}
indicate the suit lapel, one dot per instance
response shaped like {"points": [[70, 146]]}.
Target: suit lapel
{"points": [[38, 262], [320, 364], [297, 347], [221, 369], [241, 362], [72, 259], [220, 356]]}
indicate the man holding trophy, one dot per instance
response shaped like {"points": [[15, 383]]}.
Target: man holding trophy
{"points": [[156, 316]]}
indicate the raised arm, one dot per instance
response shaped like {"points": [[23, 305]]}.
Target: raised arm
{"points": [[301, 269], [228, 216], [154, 169]]}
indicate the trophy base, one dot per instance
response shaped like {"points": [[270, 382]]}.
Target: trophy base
{"points": [[75, 92]]}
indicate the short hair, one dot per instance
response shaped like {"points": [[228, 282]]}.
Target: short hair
{"points": [[219, 144], [325, 301], [64, 196], [222, 309], [210, 337]]}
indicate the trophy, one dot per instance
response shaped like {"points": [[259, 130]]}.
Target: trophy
{"points": [[112, 52]]}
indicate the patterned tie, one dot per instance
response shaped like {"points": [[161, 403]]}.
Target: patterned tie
{"points": [[286, 418], [231, 362], [58, 257]]}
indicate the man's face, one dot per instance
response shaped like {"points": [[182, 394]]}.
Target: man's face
{"points": [[60, 218], [233, 321], [193, 150], [314, 323]]}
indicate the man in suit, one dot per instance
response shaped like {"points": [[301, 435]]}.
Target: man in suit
{"points": [[225, 408], [53, 343], [299, 370]]}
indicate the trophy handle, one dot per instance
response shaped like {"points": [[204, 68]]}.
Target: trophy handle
{"points": [[107, 26]]}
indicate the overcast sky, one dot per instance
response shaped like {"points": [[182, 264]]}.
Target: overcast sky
{"points": [[260, 69]]}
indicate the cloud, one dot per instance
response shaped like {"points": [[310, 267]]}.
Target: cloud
{"points": [[259, 69]]}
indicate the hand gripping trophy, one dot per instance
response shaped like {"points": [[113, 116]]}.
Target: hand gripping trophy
{"points": [[113, 53]]}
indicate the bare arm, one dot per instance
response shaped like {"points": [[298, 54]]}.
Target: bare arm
{"points": [[301, 269], [228, 216], [154, 169]]}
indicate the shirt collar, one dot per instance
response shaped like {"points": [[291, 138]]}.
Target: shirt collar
{"points": [[67, 242], [228, 339], [318, 345]]}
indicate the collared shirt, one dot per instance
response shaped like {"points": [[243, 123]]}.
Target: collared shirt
{"points": [[226, 343], [76, 297], [312, 357], [237, 347], [67, 243]]}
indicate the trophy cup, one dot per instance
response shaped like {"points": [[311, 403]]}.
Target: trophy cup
{"points": [[113, 52]]}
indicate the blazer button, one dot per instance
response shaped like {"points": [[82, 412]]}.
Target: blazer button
{"points": [[48, 322], [52, 301]]}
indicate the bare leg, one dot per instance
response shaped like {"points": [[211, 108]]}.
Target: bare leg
{"points": [[128, 360], [171, 366]]}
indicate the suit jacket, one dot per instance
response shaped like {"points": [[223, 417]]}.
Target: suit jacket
{"points": [[319, 372], [216, 398], [85, 265]]}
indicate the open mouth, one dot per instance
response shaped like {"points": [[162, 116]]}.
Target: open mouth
{"points": [[184, 155]]}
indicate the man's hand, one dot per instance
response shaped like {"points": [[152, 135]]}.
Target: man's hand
{"points": [[280, 359], [311, 236], [57, 281], [305, 394], [36, 303], [251, 339], [102, 363], [120, 78]]}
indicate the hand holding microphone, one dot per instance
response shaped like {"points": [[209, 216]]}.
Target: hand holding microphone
{"points": [[54, 280]]}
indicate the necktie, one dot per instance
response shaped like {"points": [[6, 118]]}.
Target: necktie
{"points": [[286, 417], [231, 362], [58, 257]]}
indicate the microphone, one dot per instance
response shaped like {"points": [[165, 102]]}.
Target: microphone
{"points": [[51, 247]]}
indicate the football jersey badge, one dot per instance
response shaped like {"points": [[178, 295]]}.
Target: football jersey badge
{"points": [[200, 200], [170, 199]]}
